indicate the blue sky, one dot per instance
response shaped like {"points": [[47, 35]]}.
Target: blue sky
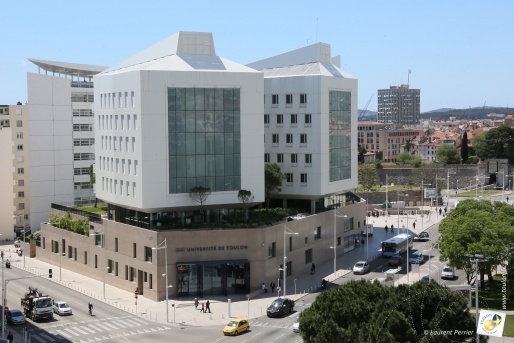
{"points": [[461, 53]]}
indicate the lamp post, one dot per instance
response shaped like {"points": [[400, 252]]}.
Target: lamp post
{"points": [[422, 199], [476, 258], [165, 246], [335, 239], [22, 214], [100, 233], [398, 201], [287, 231]]}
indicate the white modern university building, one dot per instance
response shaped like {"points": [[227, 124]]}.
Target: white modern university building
{"points": [[176, 116]]}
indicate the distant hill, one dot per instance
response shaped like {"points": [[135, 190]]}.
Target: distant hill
{"points": [[471, 113]]}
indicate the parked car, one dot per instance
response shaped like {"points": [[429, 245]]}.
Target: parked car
{"points": [[15, 317], [296, 326], [416, 258], [423, 236], [361, 267], [236, 326], [395, 260], [280, 307], [17, 243], [447, 273], [62, 308]]}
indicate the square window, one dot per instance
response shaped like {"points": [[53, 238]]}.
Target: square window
{"points": [[280, 119], [303, 99], [274, 99], [317, 233], [308, 119], [303, 177], [308, 256], [275, 138], [280, 158], [294, 119], [272, 249], [289, 99], [266, 119], [266, 158], [289, 138], [308, 158], [289, 177], [294, 158], [303, 138]]}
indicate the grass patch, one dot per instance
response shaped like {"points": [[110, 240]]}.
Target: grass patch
{"points": [[377, 188], [92, 209], [491, 297], [473, 194]]}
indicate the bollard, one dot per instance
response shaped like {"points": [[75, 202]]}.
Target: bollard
{"points": [[229, 302]]}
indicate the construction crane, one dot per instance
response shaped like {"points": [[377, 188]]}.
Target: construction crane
{"points": [[363, 112]]}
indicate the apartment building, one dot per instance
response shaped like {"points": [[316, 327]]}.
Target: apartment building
{"points": [[310, 112], [399, 105], [61, 136]]}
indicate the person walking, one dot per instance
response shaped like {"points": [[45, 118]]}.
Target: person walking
{"points": [[203, 308], [414, 225], [392, 228], [272, 286], [386, 228], [196, 303], [208, 306], [10, 337], [264, 288]]}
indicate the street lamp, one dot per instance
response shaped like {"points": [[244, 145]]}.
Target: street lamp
{"points": [[22, 214], [287, 231], [335, 239], [60, 247], [100, 233], [165, 246], [422, 199], [476, 258]]}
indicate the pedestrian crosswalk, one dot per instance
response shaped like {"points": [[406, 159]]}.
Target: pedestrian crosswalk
{"points": [[96, 330]]}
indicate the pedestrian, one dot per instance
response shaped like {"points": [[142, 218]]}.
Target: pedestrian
{"points": [[203, 308], [264, 288], [392, 228], [272, 286], [313, 268], [386, 228], [414, 225], [440, 211], [10, 337], [196, 303], [208, 306], [362, 242], [507, 199]]}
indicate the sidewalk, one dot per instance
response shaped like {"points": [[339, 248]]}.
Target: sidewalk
{"points": [[182, 311]]}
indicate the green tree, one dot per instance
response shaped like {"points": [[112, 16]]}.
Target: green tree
{"points": [[360, 311], [199, 194], [409, 145], [464, 150], [495, 143], [447, 154], [368, 176], [362, 152], [477, 227], [245, 197], [408, 158], [273, 178]]}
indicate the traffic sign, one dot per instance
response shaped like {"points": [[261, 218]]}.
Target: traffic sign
{"points": [[136, 292]]}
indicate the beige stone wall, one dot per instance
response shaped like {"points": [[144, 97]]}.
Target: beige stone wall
{"points": [[251, 244]]}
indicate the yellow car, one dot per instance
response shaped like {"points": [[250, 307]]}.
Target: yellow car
{"points": [[236, 326]]}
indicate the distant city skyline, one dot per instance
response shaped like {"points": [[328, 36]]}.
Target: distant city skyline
{"points": [[459, 54]]}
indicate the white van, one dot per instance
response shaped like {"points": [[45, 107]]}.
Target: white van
{"points": [[368, 231]]}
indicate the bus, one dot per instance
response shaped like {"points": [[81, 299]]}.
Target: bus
{"points": [[396, 245]]}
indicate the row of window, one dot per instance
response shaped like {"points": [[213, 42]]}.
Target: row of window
{"points": [[293, 119], [82, 127], [117, 122], [289, 98], [118, 165], [289, 178], [84, 156], [83, 141], [82, 113], [81, 171], [115, 144], [82, 97], [119, 100], [275, 138], [293, 158], [119, 187]]}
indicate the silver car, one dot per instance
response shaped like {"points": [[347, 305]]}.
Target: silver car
{"points": [[361, 267], [416, 258], [296, 326], [447, 273], [62, 308]]}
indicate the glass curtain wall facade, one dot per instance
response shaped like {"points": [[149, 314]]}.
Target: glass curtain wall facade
{"points": [[204, 139], [339, 135]]}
